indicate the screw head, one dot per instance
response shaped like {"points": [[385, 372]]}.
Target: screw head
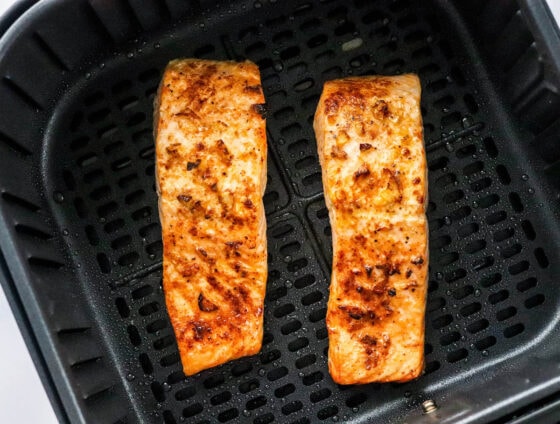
{"points": [[429, 406]]}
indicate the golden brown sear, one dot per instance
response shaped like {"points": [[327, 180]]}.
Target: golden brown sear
{"points": [[370, 143], [211, 175]]}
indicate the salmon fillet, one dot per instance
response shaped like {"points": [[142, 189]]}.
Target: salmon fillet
{"points": [[211, 175], [370, 143]]}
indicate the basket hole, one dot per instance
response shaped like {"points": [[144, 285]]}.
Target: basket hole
{"points": [[192, 410], [526, 284], [466, 151], [79, 143], [306, 361], [496, 217], [149, 309], [313, 378], [541, 257], [431, 367], [168, 418], [303, 85], [134, 335], [220, 398], [256, 403], [449, 338], [277, 373], [453, 196], [284, 310], [463, 292], [298, 344], [157, 325], [534, 301], [113, 226], [146, 364], [442, 321], [506, 313], [360, 60], [503, 174], [87, 160], [485, 343], [528, 230], [518, 268], [121, 242], [155, 248], [142, 292], [141, 213], [475, 246], [310, 25], [498, 297], [281, 231], [483, 263], [98, 115], [515, 202], [243, 368], [129, 259], [328, 412], [122, 307], [275, 294], [457, 355], [273, 355], [488, 201], [514, 330], [460, 213], [467, 229], [249, 386], [290, 327], [481, 184], [478, 326], [264, 419], [164, 342], [356, 400], [503, 234], [435, 304], [157, 391], [297, 264], [290, 248], [312, 179], [438, 163], [317, 41], [176, 377], [451, 119], [321, 333], [289, 53], [511, 251], [440, 242], [305, 281], [455, 275], [473, 168], [121, 164], [312, 298], [107, 209], [491, 280], [214, 381], [186, 392], [292, 407], [471, 103], [285, 390], [445, 180], [103, 262], [127, 180], [490, 147], [471, 309]]}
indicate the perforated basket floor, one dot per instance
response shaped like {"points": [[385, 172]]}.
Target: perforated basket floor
{"points": [[80, 208]]}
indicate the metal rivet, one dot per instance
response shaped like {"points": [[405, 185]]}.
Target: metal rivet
{"points": [[429, 406]]}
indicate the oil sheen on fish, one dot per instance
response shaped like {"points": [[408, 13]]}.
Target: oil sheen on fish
{"points": [[211, 175], [370, 143]]}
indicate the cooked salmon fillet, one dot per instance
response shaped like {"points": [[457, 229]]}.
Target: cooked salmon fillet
{"points": [[211, 175], [370, 143]]}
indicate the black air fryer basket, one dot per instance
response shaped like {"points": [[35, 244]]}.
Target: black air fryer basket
{"points": [[80, 238]]}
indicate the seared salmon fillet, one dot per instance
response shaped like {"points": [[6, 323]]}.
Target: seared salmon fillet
{"points": [[370, 143], [211, 175]]}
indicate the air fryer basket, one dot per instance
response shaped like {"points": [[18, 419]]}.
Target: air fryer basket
{"points": [[80, 237]]}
